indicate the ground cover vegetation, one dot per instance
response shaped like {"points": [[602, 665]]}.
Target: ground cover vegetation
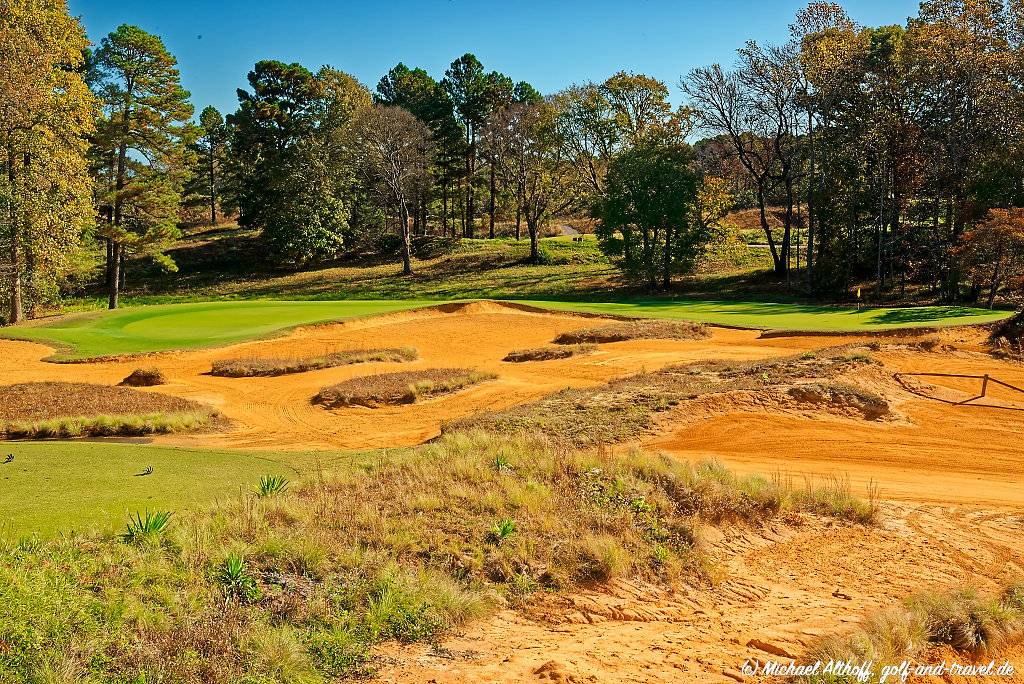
{"points": [[296, 582], [78, 409], [840, 143], [636, 330], [406, 387], [550, 352], [627, 408], [264, 367]]}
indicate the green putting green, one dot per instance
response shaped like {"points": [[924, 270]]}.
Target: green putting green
{"points": [[164, 327], [187, 326], [803, 317]]}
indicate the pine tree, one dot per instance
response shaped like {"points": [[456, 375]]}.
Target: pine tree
{"points": [[142, 145]]}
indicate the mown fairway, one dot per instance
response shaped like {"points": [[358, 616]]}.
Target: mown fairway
{"points": [[59, 487], [803, 317], [189, 326]]}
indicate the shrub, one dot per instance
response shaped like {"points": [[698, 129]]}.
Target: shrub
{"points": [[145, 377], [399, 388]]}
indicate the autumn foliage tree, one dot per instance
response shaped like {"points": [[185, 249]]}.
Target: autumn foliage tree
{"points": [[992, 252], [46, 114]]}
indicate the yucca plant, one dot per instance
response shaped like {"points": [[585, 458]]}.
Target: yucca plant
{"points": [[236, 582], [502, 530], [148, 527], [270, 485]]}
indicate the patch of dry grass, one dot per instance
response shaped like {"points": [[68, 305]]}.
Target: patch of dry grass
{"points": [[549, 352], [268, 367], [961, 619], [145, 377], [78, 409], [399, 388], [636, 330], [625, 408]]}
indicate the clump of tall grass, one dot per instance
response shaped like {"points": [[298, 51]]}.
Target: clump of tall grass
{"points": [[549, 352], [267, 367], [110, 426], [636, 330], [961, 619], [399, 388]]}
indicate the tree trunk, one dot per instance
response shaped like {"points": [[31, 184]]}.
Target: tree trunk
{"points": [[531, 226], [810, 204], [110, 261], [490, 208], [444, 209], [519, 211], [122, 153], [403, 211], [667, 258], [114, 290], [213, 188], [995, 278], [17, 314], [468, 227], [780, 268]]}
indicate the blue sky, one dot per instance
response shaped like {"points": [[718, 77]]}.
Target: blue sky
{"points": [[550, 44]]}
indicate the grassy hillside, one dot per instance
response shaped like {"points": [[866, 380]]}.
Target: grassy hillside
{"points": [[230, 262]]}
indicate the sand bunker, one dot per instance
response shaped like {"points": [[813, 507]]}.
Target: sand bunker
{"points": [[951, 475]]}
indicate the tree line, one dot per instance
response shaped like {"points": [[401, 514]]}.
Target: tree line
{"points": [[896, 152], [893, 155]]}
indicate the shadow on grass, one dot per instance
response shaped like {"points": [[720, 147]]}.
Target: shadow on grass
{"points": [[929, 314]]}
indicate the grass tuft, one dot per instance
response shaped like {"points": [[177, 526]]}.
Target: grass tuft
{"points": [[961, 619]]}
